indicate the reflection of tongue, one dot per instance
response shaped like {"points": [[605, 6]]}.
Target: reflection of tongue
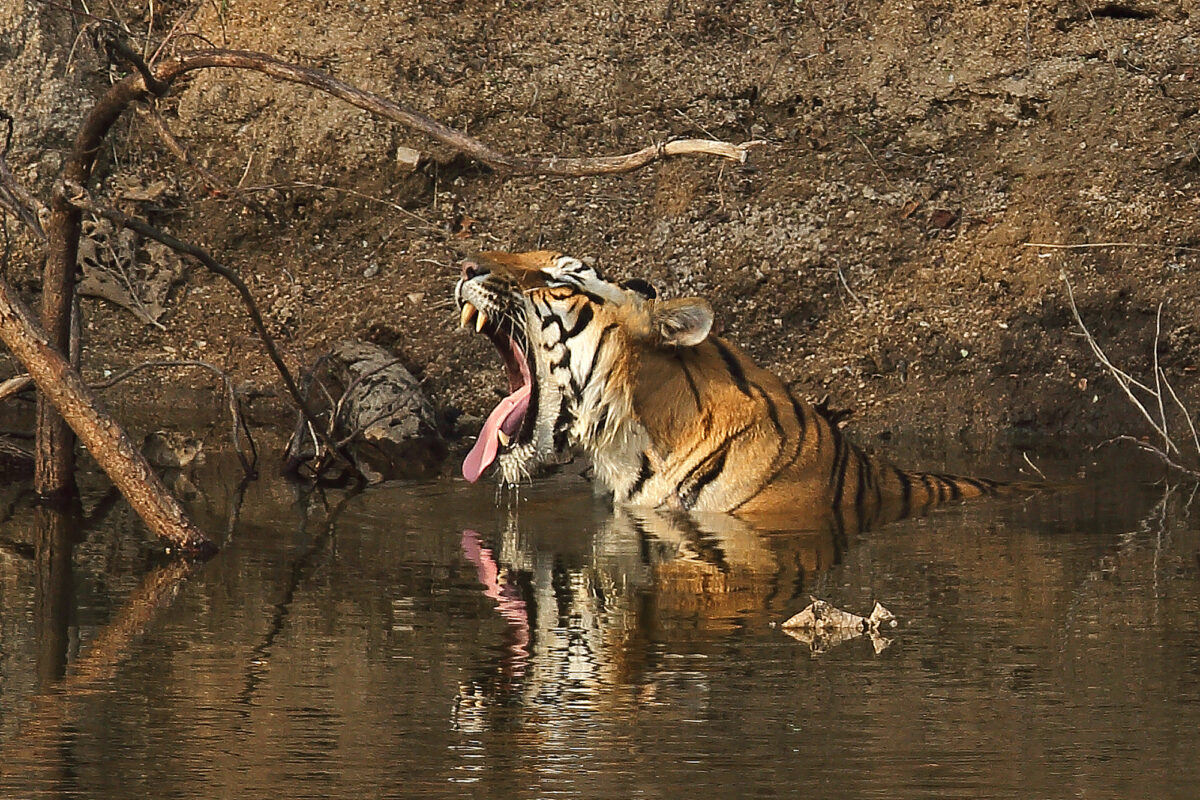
{"points": [[506, 416]]}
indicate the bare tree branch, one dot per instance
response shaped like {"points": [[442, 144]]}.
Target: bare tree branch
{"points": [[169, 70], [80, 199]]}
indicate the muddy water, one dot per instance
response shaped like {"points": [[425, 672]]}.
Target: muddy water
{"points": [[437, 640]]}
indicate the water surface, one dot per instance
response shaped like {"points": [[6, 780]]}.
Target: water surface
{"points": [[436, 639]]}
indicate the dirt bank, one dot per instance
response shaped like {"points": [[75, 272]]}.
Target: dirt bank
{"points": [[878, 249]]}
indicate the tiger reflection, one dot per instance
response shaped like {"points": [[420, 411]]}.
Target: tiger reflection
{"points": [[578, 625]]}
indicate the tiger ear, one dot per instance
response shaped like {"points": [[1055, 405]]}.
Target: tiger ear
{"points": [[682, 322]]}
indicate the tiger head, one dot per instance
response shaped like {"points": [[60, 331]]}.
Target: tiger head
{"points": [[570, 342]]}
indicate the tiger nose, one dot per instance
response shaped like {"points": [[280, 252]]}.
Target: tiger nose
{"points": [[472, 268]]}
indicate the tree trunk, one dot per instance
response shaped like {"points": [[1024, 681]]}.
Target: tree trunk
{"points": [[54, 474]]}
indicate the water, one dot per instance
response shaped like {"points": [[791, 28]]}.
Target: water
{"points": [[436, 640]]}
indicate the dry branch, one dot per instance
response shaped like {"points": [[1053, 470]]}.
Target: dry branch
{"points": [[112, 448], [1128, 383], [80, 199], [167, 72]]}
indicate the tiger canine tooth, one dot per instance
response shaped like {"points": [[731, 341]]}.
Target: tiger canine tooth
{"points": [[503, 437], [468, 311], [480, 321]]}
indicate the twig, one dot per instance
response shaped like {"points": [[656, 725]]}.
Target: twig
{"points": [[1096, 245], [80, 199], [1096, 27], [846, 286], [871, 155], [172, 68], [1186, 414], [15, 385], [182, 20], [1124, 380], [214, 183], [138, 307], [1166, 459], [1033, 466], [12, 195], [237, 422]]}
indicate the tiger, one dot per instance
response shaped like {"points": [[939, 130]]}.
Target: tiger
{"points": [[670, 415]]}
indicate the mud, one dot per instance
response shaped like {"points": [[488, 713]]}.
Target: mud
{"points": [[880, 249]]}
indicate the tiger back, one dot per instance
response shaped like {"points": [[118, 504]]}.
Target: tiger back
{"points": [[670, 415]]}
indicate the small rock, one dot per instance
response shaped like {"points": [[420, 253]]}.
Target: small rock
{"points": [[408, 159]]}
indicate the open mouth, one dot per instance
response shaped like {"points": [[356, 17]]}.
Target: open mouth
{"points": [[510, 420]]}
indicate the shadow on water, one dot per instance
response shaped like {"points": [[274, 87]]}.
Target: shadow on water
{"points": [[427, 639]]}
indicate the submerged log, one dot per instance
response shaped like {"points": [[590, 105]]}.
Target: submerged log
{"points": [[381, 418]]}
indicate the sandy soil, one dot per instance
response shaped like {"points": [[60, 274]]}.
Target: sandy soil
{"points": [[880, 249]]}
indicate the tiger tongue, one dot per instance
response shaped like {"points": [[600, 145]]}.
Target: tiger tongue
{"points": [[511, 408]]}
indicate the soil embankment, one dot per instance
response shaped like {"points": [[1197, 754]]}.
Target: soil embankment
{"points": [[877, 250]]}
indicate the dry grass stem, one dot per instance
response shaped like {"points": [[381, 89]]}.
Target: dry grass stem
{"points": [[1127, 383], [1096, 245]]}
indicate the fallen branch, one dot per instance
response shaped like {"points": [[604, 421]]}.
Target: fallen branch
{"points": [[112, 448]]}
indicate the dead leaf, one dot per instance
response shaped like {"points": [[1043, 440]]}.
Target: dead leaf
{"points": [[823, 626], [112, 270], [942, 218], [149, 193]]}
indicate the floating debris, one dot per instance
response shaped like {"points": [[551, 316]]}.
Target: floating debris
{"points": [[823, 626]]}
